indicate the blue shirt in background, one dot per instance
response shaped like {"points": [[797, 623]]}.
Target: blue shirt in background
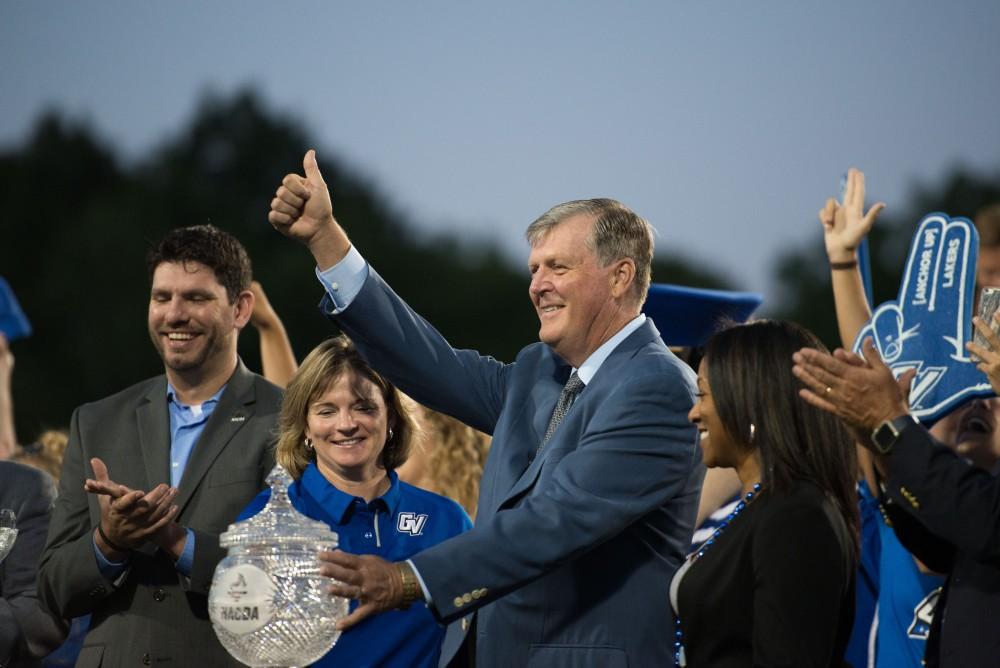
{"points": [[866, 592], [906, 602]]}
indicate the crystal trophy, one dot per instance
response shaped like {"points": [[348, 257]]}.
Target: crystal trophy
{"points": [[268, 603], [8, 532]]}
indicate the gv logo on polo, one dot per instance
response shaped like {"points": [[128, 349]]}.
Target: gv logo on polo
{"points": [[411, 523]]}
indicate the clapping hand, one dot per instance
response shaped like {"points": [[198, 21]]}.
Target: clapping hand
{"points": [[860, 390], [128, 517]]}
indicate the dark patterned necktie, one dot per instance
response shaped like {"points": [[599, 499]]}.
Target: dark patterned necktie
{"points": [[572, 388]]}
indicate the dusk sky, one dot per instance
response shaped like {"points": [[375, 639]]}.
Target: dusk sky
{"points": [[726, 124]]}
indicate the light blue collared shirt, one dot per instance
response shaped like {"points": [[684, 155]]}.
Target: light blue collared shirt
{"points": [[344, 280], [187, 422], [589, 368]]}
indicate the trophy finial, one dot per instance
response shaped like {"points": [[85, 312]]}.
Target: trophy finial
{"points": [[279, 480]]}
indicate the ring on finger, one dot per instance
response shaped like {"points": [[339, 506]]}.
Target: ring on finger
{"points": [[828, 390]]}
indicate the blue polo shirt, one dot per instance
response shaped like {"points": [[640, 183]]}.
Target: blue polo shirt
{"points": [[394, 526]]}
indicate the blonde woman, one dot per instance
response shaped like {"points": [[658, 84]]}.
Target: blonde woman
{"points": [[343, 432]]}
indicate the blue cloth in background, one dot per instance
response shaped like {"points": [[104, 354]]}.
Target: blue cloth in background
{"points": [[868, 578], [906, 601], [66, 655]]}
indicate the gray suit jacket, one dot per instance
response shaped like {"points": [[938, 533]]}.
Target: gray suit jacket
{"points": [[27, 631], [155, 615], [572, 552]]}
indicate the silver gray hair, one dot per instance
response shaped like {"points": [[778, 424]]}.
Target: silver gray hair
{"points": [[618, 233]]}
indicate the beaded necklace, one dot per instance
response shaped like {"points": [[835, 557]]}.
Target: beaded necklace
{"points": [[679, 659]]}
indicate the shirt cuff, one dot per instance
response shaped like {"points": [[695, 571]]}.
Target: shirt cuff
{"points": [[185, 562], [344, 280], [112, 570], [423, 587]]}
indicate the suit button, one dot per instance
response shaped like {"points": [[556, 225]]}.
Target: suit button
{"points": [[458, 602], [146, 660], [159, 595], [467, 598]]}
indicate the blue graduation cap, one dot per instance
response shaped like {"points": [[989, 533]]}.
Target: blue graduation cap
{"points": [[13, 323], [688, 317]]}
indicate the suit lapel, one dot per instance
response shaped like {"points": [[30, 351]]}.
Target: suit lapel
{"points": [[233, 412], [544, 396], [626, 350], [154, 435], [547, 400]]}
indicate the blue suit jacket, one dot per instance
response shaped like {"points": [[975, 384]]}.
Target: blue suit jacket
{"points": [[569, 561]]}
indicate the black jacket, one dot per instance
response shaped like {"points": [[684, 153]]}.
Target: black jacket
{"points": [[947, 513], [27, 631], [775, 589]]}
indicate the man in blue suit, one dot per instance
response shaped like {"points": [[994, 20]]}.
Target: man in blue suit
{"points": [[589, 494]]}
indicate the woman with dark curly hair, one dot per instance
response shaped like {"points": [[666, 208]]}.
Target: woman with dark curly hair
{"points": [[343, 432], [774, 586]]}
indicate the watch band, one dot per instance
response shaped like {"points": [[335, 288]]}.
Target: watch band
{"points": [[411, 588], [884, 436]]}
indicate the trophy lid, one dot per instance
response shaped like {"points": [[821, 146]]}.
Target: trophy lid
{"points": [[279, 523]]}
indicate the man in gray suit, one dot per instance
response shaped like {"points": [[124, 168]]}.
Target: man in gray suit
{"points": [[168, 464], [589, 494]]}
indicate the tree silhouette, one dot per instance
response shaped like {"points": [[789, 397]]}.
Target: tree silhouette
{"points": [[79, 220], [804, 276]]}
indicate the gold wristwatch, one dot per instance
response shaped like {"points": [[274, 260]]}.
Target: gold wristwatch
{"points": [[411, 588]]}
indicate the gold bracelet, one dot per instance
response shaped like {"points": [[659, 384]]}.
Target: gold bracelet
{"points": [[411, 588]]}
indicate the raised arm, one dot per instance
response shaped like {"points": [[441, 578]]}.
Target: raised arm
{"points": [[8, 436], [302, 210], [845, 226], [276, 355]]}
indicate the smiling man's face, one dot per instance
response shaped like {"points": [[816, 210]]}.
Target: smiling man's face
{"points": [[571, 292], [191, 321]]}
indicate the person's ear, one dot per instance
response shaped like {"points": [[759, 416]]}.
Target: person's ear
{"points": [[243, 309], [623, 277]]}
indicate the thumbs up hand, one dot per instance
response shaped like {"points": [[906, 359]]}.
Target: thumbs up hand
{"points": [[302, 210]]}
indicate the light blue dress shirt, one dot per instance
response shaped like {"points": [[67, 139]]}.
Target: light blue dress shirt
{"points": [[187, 422]]}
